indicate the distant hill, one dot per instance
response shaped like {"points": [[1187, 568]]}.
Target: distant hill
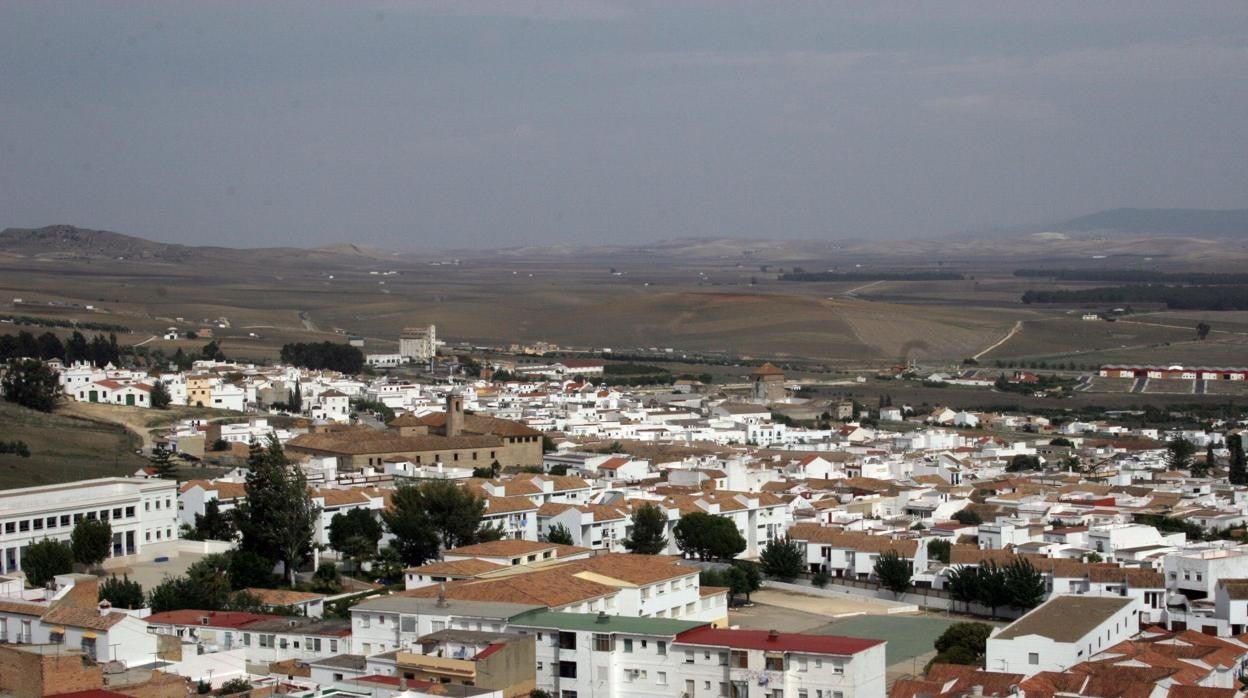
{"points": [[83, 242], [1164, 221]]}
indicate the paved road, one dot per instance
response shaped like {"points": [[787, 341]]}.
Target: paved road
{"points": [[1140, 384]]}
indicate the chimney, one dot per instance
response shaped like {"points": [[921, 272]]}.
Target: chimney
{"points": [[441, 603], [773, 635], [105, 607], [602, 617], [454, 414]]}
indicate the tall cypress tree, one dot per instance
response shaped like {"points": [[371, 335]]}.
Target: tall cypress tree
{"points": [[1238, 466]]}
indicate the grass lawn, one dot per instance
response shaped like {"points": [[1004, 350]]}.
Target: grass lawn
{"points": [[63, 448]]}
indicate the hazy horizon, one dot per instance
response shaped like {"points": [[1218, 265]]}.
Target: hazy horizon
{"points": [[452, 124]]}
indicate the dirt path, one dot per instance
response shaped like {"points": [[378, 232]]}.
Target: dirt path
{"points": [[1018, 327]]}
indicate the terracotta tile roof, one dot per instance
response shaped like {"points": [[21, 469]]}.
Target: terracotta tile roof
{"points": [[851, 540], [1134, 578], [780, 642], [614, 464], [224, 490], [342, 497], [552, 588], [22, 608], [456, 568], [83, 618], [481, 425], [634, 569], [216, 619], [500, 548], [358, 443], [282, 597], [507, 505]]}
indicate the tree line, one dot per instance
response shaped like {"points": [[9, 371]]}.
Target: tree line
{"points": [[99, 350], [1228, 297], [50, 322], [329, 356], [871, 276], [1137, 276]]}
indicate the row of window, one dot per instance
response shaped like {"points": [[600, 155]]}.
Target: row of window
{"points": [[64, 520]]}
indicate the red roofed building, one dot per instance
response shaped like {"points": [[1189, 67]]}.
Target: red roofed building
{"points": [[781, 662]]}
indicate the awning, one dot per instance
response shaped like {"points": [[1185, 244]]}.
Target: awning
{"points": [[88, 635]]}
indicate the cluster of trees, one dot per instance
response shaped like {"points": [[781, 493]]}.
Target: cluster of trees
{"points": [[558, 534], [797, 275], [1023, 462], [324, 355], [1137, 276], [215, 583], [99, 350], [50, 322], [1180, 455], [88, 545], [430, 516], [1005, 385], [19, 448], [31, 383], [1229, 297], [1018, 585]]}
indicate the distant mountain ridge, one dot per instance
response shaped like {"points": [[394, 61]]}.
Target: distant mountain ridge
{"points": [[1163, 221]]}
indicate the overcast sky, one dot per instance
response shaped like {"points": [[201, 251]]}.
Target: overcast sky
{"points": [[511, 122]]}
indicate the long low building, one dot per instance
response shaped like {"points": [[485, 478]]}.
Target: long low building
{"points": [[1209, 373], [140, 511]]}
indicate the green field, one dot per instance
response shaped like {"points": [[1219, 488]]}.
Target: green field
{"points": [[63, 448]]}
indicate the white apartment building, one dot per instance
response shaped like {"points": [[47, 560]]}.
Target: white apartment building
{"points": [[140, 511], [1195, 572], [393, 622], [1062, 632], [419, 343]]}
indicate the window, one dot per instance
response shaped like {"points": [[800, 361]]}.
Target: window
{"points": [[10, 527], [23, 525], [117, 513], [333, 646], [740, 659], [773, 663], [567, 641], [661, 648], [407, 624], [602, 642], [51, 522], [364, 621], [688, 656], [38, 524], [1033, 658], [65, 519], [801, 664], [628, 645], [567, 670], [129, 512], [567, 694], [838, 667], [660, 678]]}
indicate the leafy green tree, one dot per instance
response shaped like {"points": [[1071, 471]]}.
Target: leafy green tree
{"points": [[649, 524], [433, 515], [893, 571], [355, 533], [205, 586], [783, 559], [122, 593], [387, 567], [748, 578], [249, 570], [1023, 462], [1179, 452], [295, 403], [939, 549], [161, 461], [962, 643], [214, 524], [708, 537], [43, 560], [994, 586], [968, 517], [278, 518], [821, 578], [212, 351], [92, 541], [559, 534], [160, 395], [487, 533], [963, 584], [30, 383], [327, 579], [1026, 584], [234, 686]]}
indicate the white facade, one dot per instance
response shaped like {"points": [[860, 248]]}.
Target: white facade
{"points": [[1062, 632], [140, 511]]}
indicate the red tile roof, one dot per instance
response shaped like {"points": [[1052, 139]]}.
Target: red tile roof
{"points": [[216, 619], [783, 642]]}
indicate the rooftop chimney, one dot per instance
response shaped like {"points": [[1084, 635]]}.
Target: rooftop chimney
{"points": [[602, 617], [441, 603], [773, 635]]}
